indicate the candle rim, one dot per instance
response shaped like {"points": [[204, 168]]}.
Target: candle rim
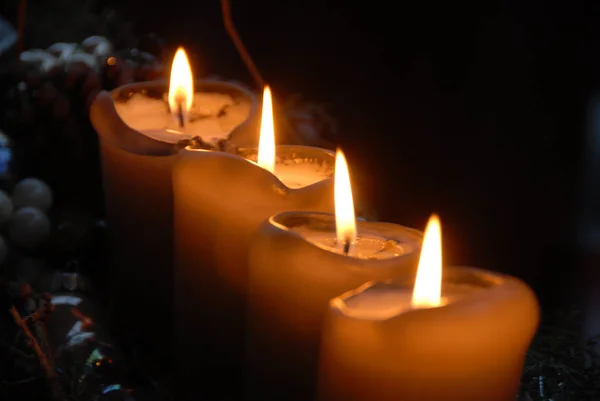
{"points": [[495, 288], [112, 128], [188, 153], [128, 89], [409, 235], [329, 159]]}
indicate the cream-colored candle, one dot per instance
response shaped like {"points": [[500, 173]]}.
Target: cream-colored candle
{"points": [[463, 338], [137, 175], [220, 200], [298, 262]]}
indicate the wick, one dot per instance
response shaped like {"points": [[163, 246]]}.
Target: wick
{"points": [[346, 247], [180, 114]]}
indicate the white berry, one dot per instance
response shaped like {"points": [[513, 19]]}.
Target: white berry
{"points": [[32, 192], [97, 45], [62, 50], [29, 227]]}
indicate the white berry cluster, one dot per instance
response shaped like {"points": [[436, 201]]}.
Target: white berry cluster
{"points": [[90, 52], [24, 213]]}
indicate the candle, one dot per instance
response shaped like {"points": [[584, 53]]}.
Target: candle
{"points": [[137, 175], [463, 338], [220, 200], [298, 262]]}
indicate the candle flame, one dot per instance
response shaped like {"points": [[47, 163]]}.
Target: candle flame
{"points": [[428, 285], [181, 84], [266, 142], [345, 220]]}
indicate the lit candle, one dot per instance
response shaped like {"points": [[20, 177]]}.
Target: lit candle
{"points": [[460, 339], [182, 113], [137, 162], [220, 199], [298, 262]]}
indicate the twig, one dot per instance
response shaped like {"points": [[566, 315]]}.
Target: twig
{"points": [[46, 365], [239, 45]]}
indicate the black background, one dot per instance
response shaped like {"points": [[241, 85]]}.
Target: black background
{"points": [[474, 111]]}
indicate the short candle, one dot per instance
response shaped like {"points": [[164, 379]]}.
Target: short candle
{"points": [[460, 338]]}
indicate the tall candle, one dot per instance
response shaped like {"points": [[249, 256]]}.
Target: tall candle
{"points": [[469, 344], [220, 200], [137, 174]]}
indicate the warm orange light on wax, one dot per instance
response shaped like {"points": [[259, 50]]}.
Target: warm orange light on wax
{"points": [[345, 220], [428, 285], [266, 143], [181, 84]]}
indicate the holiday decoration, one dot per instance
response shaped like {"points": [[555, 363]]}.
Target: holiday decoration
{"points": [[29, 227], [47, 111], [32, 192], [64, 331]]}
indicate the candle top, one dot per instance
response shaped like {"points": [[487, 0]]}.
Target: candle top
{"points": [[298, 166], [382, 301], [374, 240], [213, 117], [299, 173], [367, 246]]}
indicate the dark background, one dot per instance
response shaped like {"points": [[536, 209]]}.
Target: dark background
{"points": [[475, 112]]}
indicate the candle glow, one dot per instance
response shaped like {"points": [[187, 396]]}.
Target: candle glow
{"points": [[181, 85], [266, 143], [427, 292], [345, 220]]}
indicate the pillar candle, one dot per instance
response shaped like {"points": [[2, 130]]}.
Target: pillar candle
{"points": [[220, 200], [296, 268], [460, 338], [137, 177]]}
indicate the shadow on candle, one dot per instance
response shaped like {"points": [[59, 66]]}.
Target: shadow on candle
{"points": [[137, 178], [220, 201], [375, 345], [295, 270]]}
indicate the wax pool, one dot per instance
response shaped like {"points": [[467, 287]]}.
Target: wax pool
{"points": [[367, 246], [294, 166], [213, 116], [384, 301], [376, 346]]}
